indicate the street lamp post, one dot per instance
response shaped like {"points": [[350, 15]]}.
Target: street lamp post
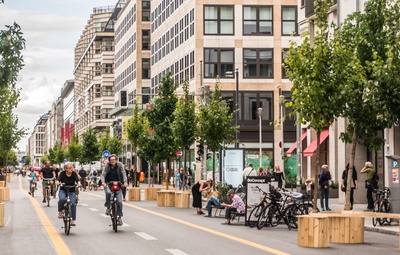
{"points": [[282, 102], [259, 111], [237, 107]]}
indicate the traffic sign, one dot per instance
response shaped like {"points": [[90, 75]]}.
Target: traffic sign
{"points": [[106, 154], [178, 153], [65, 160]]}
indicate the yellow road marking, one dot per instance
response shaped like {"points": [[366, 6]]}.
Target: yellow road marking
{"points": [[211, 231], [59, 245]]}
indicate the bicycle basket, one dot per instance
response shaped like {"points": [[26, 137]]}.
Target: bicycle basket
{"points": [[115, 186]]}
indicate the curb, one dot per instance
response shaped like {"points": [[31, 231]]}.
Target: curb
{"points": [[380, 230]]}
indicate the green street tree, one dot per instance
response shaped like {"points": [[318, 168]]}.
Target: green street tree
{"points": [[148, 148], [184, 124], [43, 159], [112, 144], [369, 65], [160, 116], [90, 147], [316, 95], [74, 149], [12, 159], [215, 123], [27, 160], [135, 130], [57, 154]]}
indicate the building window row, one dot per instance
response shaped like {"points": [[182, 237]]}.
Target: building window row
{"points": [[126, 50], [173, 38], [179, 70], [126, 24], [163, 11], [126, 77], [257, 20]]}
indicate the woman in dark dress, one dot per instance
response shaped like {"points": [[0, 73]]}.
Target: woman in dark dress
{"points": [[199, 187]]}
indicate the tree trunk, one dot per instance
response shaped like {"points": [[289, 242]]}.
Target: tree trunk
{"points": [[184, 170], [317, 167], [350, 172], [213, 169]]}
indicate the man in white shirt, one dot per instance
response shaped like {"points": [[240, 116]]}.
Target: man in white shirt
{"points": [[249, 171]]}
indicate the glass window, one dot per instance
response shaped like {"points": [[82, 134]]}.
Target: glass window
{"points": [[218, 62], [284, 56], [218, 20], [257, 20], [289, 20], [145, 68], [257, 63], [253, 100]]}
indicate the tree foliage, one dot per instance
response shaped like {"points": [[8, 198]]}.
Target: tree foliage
{"points": [[74, 149], [27, 160], [317, 90], [215, 123], [112, 144], [90, 146]]}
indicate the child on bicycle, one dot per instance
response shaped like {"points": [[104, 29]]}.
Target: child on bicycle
{"points": [[33, 180], [69, 178]]}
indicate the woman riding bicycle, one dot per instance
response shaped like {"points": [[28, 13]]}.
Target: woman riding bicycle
{"points": [[33, 180], [68, 178]]}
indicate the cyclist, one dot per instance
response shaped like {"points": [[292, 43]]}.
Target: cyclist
{"points": [[33, 180], [113, 171], [93, 178], [48, 173], [82, 173], [56, 170], [69, 177]]}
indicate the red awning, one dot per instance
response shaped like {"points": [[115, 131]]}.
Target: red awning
{"points": [[309, 152], [294, 145]]}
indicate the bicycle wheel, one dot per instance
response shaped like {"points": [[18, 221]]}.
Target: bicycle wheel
{"points": [[290, 215], [254, 214], [90, 186], [95, 188], [384, 207], [306, 208], [115, 217], [67, 218], [48, 196], [33, 190], [273, 215], [263, 217], [376, 209]]}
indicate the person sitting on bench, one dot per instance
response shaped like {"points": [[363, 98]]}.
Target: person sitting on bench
{"points": [[236, 206]]}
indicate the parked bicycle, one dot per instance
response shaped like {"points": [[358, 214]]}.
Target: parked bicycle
{"points": [[67, 211], [114, 187], [382, 204], [48, 189], [256, 211]]}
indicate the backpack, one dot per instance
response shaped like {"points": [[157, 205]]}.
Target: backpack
{"points": [[375, 179]]}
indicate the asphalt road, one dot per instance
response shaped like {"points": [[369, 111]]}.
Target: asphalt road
{"points": [[33, 228]]}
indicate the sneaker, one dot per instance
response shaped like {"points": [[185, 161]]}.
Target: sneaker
{"points": [[328, 209], [108, 211], [226, 223], [351, 207], [29, 193], [123, 199], [44, 200], [200, 212], [323, 209], [120, 223], [207, 215], [73, 223], [368, 210]]}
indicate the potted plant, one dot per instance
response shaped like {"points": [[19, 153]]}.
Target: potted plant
{"points": [[222, 189]]}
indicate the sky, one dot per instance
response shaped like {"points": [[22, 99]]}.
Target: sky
{"points": [[51, 29]]}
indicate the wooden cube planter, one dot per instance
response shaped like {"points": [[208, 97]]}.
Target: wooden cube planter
{"points": [[4, 194], [134, 194], [182, 199]]}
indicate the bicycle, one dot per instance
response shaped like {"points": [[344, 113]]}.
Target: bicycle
{"points": [[67, 212], [256, 211], [32, 187], [93, 184], [114, 187], [48, 191], [382, 204]]}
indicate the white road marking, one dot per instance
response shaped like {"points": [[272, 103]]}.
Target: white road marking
{"points": [[105, 216], [145, 236], [93, 209], [83, 204], [125, 225], [176, 252]]}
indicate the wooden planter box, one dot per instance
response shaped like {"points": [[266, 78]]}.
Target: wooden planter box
{"points": [[347, 229], [313, 231], [134, 194], [182, 199], [4, 194], [1, 214], [2, 183], [166, 198], [151, 193]]}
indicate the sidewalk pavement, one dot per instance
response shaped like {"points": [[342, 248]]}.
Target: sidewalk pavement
{"points": [[392, 229]]}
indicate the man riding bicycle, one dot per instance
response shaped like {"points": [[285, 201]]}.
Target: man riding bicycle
{"points": [[48, 173], [113, 171], [83, 174]]}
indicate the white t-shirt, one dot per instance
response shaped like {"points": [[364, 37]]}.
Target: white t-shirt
{"points": [[249, 171]]}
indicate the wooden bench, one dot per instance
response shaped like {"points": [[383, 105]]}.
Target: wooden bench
{"points": [[166, 198], [318, 229], [150, 193], [182, 199]]}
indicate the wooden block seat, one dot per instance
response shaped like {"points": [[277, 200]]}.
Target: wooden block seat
{"points": [[134, 194], [1, 214], [4, 194], [182, 199], [166, 198], [313, 231], [150, 193]]}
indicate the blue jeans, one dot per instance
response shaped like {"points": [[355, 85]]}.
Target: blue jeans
{"points": [[107, 191], [62, 198], [324, 194], [212, 202]]}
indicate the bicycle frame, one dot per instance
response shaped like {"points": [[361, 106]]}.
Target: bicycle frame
{"points": [[114, 187], [48, 189], [67, 213]]}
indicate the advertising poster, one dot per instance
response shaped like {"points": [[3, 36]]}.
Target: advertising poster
{"points": [[233, 166], [395, 175]]}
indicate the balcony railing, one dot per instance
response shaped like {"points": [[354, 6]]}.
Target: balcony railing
{"points": [[309, 7]]}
